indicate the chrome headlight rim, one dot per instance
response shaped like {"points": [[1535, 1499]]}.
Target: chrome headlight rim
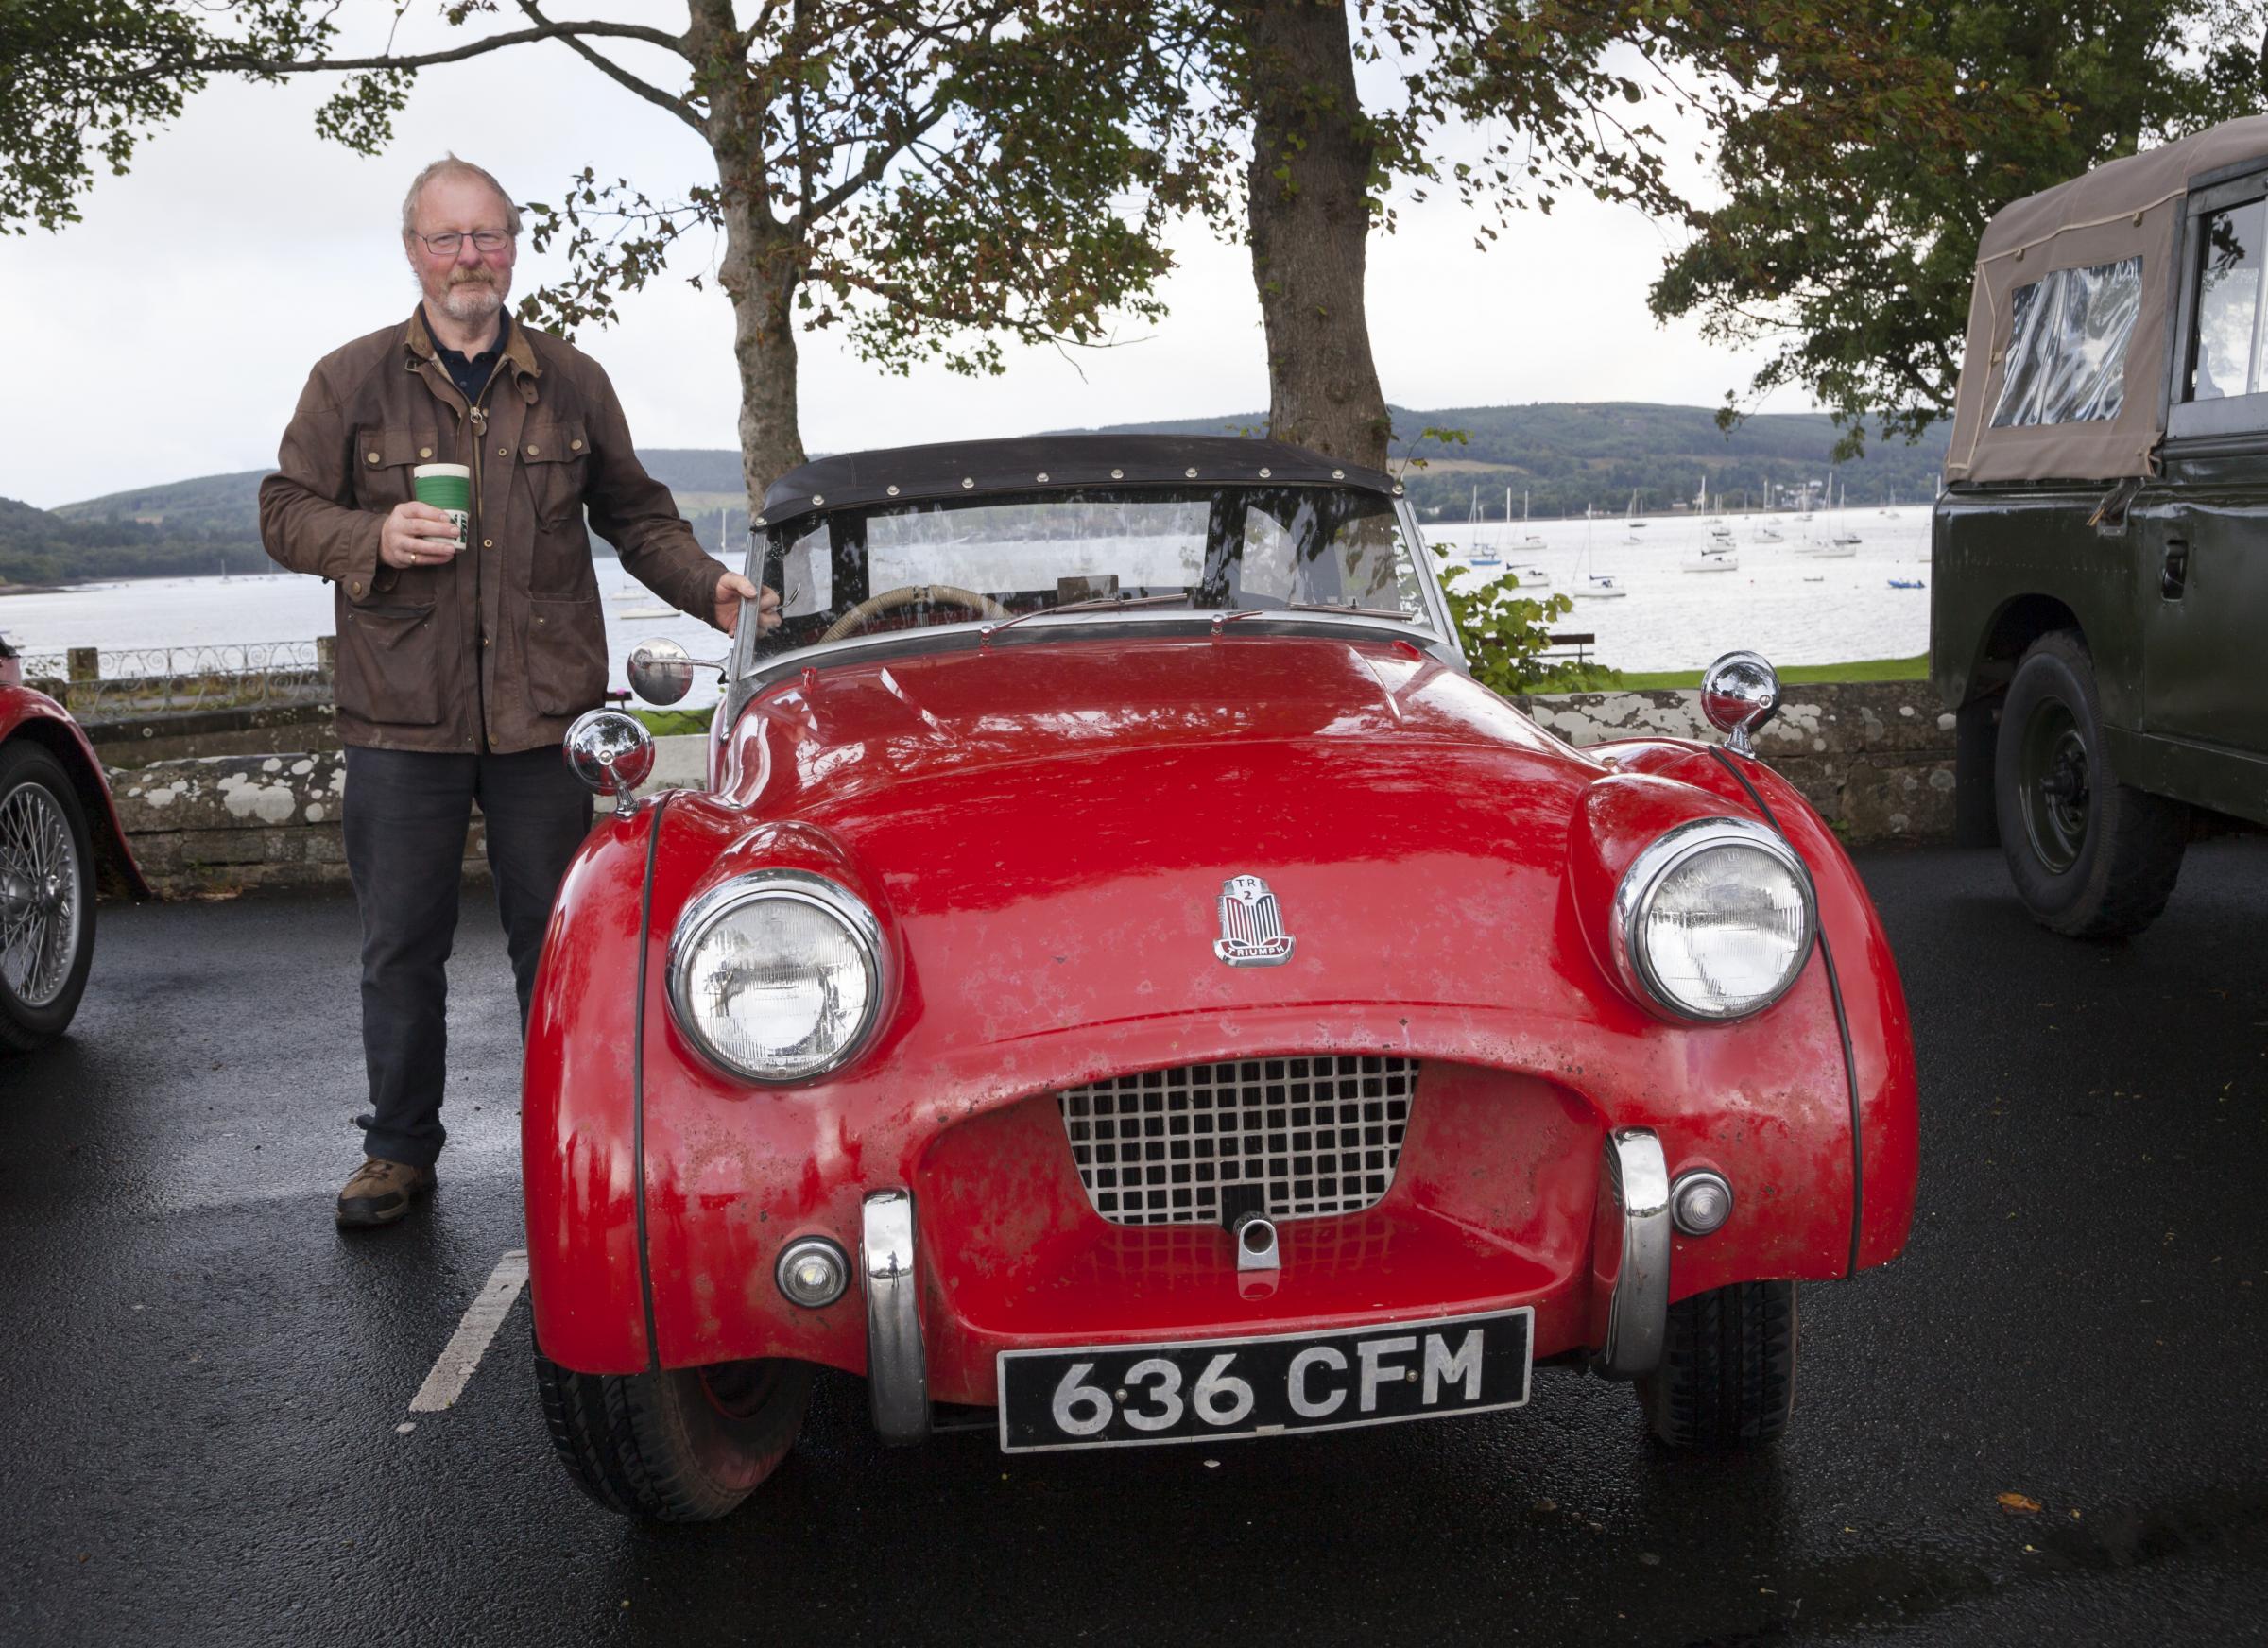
{"points": [[1641, 884], [794, 887]]}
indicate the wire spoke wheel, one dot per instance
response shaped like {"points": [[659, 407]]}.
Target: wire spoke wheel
{"points": [[40, 889]]}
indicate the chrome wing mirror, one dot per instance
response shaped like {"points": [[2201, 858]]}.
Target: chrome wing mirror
{"points": [[1739, 694], [610, 754], [661, 671]]}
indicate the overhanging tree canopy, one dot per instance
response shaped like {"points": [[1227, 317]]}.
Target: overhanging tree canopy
{"points": [[1862, 166], [930, 177]]}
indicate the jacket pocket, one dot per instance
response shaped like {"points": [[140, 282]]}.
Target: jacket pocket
{"points": [[390, 666], [556, 458], [566, 654], [384, 458]]}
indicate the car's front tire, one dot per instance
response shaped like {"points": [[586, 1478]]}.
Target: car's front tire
{"points": [[46, 898], [2090, 857], [685, 1445], [1727, 1375]]}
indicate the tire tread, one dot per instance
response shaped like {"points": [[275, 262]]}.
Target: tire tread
{"points": [[627, 1439], [1728, 1376]]}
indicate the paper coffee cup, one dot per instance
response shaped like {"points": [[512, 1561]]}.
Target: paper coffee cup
{"points": [[449, 488]]}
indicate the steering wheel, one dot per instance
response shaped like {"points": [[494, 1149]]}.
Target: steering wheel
{"points": [[911, 595]]}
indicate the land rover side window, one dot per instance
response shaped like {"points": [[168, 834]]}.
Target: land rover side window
{"points": [[2067, 345], [2225, 359]]}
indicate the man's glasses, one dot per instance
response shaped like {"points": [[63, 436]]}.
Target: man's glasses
{"points": [[451, 243]]}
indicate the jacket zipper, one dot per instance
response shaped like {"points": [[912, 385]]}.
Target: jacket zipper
{"points": [[478, 414]]}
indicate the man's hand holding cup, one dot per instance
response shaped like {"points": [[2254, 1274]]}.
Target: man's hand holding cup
{"points": [[430, 529], [418, 535]]}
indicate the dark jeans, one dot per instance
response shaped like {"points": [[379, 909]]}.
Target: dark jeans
{"points": [[406, 815]]}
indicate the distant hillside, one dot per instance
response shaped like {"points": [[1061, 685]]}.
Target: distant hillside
{"points": [[1568, 456], [227, 504], [1564, 455], [41, 547]]}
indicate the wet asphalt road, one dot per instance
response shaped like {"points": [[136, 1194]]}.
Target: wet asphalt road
{"points": [[201, 1382]]}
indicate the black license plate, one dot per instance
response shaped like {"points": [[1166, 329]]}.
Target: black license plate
{"points": [[1210, 1390]]}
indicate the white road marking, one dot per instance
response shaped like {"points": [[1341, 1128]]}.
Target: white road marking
{"points": [[462, 1354]]}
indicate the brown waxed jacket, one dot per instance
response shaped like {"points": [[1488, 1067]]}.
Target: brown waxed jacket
{"points": [[507, 645]]}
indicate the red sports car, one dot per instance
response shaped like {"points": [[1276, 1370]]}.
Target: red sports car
{"points": [[60, 842], [1126, 977]]}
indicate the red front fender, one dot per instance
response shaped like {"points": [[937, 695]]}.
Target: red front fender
{"points": [[33, 715], [579, 1142]]}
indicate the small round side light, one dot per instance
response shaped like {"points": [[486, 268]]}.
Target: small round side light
{"points": [[1739, 694], [1700, 1202], [812, 1272]]}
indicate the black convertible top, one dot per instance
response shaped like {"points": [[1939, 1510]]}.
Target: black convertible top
{"points": [[907, 473]]}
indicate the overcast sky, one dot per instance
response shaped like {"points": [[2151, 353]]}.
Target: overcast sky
{"points": [[168, 335]]}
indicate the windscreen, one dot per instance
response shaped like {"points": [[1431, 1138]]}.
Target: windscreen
{"points": [[987, 559]]}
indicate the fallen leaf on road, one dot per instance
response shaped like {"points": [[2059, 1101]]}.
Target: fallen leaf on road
{"points": [[2019, 1504]]}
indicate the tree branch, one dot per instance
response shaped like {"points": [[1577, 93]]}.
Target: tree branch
{"points": [[242, 63], [621, 77]]}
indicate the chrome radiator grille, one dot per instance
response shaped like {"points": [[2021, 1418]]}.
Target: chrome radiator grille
{"points": [[1291, 1138]]}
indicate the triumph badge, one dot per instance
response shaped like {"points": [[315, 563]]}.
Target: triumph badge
{"points": [[1252, 930]]}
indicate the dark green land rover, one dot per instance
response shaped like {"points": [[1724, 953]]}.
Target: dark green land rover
{"points": [[2099, 612]]}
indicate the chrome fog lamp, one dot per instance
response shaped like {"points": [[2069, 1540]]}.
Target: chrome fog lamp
{"points": [[812, 1272], [1713, 920], [1739, 694], [610, 754], [776, 976], [1700, 1202]]}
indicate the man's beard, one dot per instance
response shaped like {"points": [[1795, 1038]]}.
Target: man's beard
{"points": [[474, 299]]}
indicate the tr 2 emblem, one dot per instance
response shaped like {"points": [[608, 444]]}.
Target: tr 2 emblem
{"points": [[1252, 930]]}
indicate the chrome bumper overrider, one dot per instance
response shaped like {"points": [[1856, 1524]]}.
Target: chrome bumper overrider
{"points": [[897, 1371], [1634, 1224]]}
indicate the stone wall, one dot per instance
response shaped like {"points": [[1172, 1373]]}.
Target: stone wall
{"points": [[258, 730], [223, 823], [1876, 760]]}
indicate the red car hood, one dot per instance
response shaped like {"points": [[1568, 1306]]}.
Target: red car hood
{"points": [[1050, 826]]}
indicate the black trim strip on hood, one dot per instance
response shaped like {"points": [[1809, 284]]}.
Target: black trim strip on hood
{"points": [[1850, 1066]]}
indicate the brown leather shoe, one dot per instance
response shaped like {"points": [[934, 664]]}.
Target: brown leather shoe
{"points": [[381, 1191]]}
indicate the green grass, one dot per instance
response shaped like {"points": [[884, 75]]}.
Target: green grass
{"points": [[1872, 669], [674, 723]]}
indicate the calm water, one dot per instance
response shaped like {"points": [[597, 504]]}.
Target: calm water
{"points": [[289, 607], [1675, 619], [1672, 620]]}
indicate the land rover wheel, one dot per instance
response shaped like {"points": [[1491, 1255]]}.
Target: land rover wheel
{"points": [[1728, 1374], [46, 898], [681, 1446], [2092, 857]]}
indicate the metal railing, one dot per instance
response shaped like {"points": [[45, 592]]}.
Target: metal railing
{"points": [[102, 684]]}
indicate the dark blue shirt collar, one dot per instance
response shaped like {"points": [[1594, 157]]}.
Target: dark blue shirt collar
{"points": [[471, 373]]}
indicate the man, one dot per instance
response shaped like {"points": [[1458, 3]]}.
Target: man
{"points": [[460, 665]]}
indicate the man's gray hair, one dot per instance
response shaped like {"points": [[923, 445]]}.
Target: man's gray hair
{"points": [[450, 167]]}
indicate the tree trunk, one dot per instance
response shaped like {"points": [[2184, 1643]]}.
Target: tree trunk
{"points": [[760, 269], [759, 273], [1309, 223]]}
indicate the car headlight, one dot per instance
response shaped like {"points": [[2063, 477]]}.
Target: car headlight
{"points": [[776, 976], [1713, 919]]}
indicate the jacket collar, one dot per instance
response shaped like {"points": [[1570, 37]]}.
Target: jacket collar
{"points": [[416, 341]]}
